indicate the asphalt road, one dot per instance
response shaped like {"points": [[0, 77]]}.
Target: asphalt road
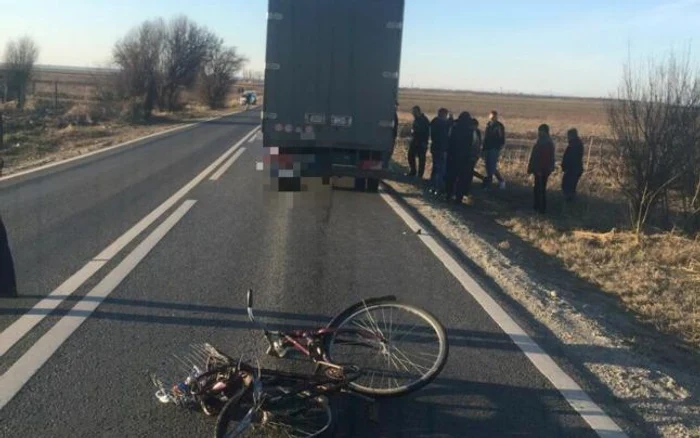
{"points": [[308, 256]]}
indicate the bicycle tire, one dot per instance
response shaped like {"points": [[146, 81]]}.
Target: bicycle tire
{"points": [[395, 357], [293, 417]]}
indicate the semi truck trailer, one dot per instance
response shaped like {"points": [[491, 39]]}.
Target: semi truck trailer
{"points": [[331, 87]]}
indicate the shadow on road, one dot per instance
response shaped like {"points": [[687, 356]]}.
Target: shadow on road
{"points": [[448, 407]]}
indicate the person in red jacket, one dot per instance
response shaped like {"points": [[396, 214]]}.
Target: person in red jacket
{"points": [[541, 165]]}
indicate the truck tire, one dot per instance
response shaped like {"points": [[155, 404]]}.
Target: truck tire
{"points": [[373, 185], [360, 184], [326, 180]]}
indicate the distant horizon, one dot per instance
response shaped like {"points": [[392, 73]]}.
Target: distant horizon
{"points": [[74, 68], [548, 48]]}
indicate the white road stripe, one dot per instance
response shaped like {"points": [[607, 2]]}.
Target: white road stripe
{"points": [[26, 366], [596, 418], [116, 146], [24, 324], [227, 165], [19, 328]]}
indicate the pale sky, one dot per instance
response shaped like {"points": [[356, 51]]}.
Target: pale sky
{"points": [[569, 47]]}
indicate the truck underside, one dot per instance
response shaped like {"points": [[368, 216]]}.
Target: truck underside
{"points": [[289, 164]]}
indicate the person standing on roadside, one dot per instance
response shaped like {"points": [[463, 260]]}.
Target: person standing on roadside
{"points": [[418, 147], [572, 165], [541, 165], [8, 285], [396, 122], [395, 135], [494, 140], [439, 142], [479, 143], [460, 164]]}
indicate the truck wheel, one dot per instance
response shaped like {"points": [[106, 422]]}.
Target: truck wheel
{"points": [[360, 184], [373, 185], [326, 180]]}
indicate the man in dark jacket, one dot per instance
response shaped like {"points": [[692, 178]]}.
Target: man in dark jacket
{"points": [[439, 142], [8, 287], [572, 165], [418, 147], [395, 132], [396, 122], [494, 140], [461, 158]]}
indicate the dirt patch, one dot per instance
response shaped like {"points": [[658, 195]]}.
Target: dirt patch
{"points": [[618, 305]]}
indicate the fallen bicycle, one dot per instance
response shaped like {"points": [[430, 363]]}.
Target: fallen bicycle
{"points": [[254, 402]]}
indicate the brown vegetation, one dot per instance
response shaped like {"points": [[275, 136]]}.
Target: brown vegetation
{"points": [[655, 275]]}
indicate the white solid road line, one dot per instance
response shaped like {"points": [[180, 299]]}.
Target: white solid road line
{"points": [[26, 366], [227, 164], [24, 324], [116, 146], [19, 328], [596, 418]]}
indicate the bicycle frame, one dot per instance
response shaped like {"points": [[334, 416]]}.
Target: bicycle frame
{"points": [[310, 343]]}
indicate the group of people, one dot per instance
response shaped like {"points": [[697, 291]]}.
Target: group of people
{"points": [[457, 145]]}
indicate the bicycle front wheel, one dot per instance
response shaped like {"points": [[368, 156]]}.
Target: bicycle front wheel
{"points": [[294, 416], [398, 347]]}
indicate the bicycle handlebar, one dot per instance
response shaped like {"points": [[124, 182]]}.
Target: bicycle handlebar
{"points": [[249, 305], [249, 308]]}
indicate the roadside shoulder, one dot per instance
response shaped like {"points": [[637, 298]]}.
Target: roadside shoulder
{"points": [[592, 333]]}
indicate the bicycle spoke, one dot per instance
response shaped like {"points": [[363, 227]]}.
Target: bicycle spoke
{"points": [[408, 351], [372, 321], [410, 362]]}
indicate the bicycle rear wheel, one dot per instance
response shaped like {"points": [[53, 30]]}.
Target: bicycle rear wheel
{"points": [[294, 416], [399, 348]]}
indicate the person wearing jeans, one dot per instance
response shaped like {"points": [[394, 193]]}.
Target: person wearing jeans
{"points": [[541, 165], [440, 138], [418, 147], [494, 140]]}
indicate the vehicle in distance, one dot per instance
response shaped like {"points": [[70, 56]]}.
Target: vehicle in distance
{"points": [[331, 84]]}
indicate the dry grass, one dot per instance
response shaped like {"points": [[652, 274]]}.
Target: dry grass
{"points": [[82, 121], [657, 277], [41, 135]]}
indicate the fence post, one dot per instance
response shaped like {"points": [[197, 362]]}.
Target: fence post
{"points": [[55, 95], [2, 138]]}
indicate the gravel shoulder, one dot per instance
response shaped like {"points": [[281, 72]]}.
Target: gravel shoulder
{"points": [[646, 373]]}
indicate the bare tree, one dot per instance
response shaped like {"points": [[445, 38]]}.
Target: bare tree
{"points": [[654, 123], [138, 55], [185, 49], [219, 74], [20, 57]]}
